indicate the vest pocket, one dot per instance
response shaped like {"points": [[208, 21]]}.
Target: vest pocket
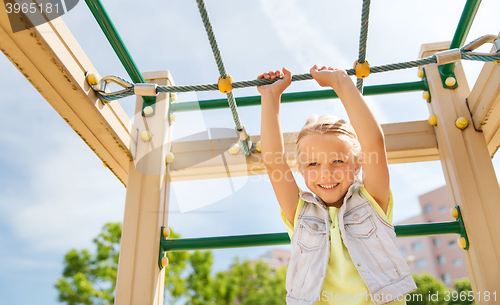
{"points": [[359, 223], [311, 233]]}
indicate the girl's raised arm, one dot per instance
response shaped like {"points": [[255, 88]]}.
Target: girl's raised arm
{"points": [[272, 146], [369, 132]]}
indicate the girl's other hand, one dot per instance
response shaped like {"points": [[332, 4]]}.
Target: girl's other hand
{"points": [[329, 77], [277, 87]]}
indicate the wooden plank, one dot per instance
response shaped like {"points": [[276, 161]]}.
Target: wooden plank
{"points": [[484, 105], [140, 280], [206, 159], [54, 63], [470, 177]]}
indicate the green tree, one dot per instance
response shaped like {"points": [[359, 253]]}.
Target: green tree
{"points": [[462, 296], [200, 284], [431, 291], [250, 282], [91, 278]]}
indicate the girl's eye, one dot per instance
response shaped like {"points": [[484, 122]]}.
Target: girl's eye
{"points": [[313, 163], [337, 162]]}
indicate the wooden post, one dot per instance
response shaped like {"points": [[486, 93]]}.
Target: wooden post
{"points": [[140, 280], [470, 178]]}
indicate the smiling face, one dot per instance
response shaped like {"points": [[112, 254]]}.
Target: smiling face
{"points": [[328, 166]]}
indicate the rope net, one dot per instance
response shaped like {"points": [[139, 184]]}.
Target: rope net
{"points": [[129, 87]]}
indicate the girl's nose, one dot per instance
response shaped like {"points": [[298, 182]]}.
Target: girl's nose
{"points": [[326, 172]]}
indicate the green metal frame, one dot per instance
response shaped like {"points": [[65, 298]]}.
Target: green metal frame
{"points": [[463, 232], [463, 28], [255, 240], [108, 28], [452, 227], [298, 96]]}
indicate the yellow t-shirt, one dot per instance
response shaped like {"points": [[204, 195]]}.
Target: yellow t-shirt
{"points": [[343, 284]]}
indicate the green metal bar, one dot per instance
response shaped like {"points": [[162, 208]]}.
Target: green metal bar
{"points": [[225, 242], [434, 228], [102, 18], [297, 96], [464, 25], [109, 30], [239, 241]]}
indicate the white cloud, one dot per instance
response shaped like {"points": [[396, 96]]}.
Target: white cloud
{"points": [[304, 41], [70, 197]]}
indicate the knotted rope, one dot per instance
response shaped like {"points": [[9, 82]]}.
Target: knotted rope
{"points": [[258, 82], [363, 37]]}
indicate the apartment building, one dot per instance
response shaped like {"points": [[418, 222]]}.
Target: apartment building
{"points": [[437, 255], [276, 257]]}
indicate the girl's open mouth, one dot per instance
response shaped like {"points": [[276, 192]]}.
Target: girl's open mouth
{"points": [[329, 186]]}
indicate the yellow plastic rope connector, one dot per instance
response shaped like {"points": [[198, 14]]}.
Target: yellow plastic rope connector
{"points": [[462, 122], [362, 69], [225, 84]]}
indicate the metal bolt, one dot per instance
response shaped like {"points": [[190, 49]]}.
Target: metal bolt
{"points": [[450, 81], [148, 110], [146, 136], [234, 149]]}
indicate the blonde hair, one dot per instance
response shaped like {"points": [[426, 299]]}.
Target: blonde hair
{"points": [[330, 124]]}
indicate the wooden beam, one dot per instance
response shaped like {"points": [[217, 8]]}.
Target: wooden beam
{"points": [[140, 279], [207, 159], [484, 105], [54, 63], [470, 177]]}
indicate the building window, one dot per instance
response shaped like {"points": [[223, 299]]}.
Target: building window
{"points": [[402, 250], [457, 262], [436, 241], [416, 246], [421, 263], [443, 209], [446, 278], [428, 208], [441, 259], [452, 244]]}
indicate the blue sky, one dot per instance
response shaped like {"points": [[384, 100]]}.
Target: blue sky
{"points": [[55, 194]]}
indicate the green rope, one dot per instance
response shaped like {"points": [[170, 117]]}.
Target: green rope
{"points": [[222, 70], [466, 55], [363, 37]]}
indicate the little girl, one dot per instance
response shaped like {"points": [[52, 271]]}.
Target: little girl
{"points": [[343, 245]]}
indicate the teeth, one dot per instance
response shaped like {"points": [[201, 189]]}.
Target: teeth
{"points": [[329, 186]]}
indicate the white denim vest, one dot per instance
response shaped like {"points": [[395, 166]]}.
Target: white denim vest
{"points": [[369, 239]]}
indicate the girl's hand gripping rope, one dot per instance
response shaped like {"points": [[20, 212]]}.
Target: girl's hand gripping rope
{"points": [[275, 89]]}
